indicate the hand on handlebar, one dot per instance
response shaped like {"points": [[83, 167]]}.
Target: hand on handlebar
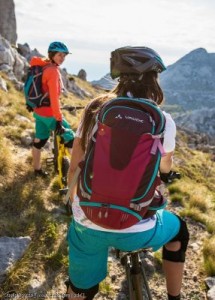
{"points": [[170, 177], [59, 129], [29, 108]]}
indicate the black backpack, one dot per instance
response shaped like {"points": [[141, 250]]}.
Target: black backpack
{"points": [[34, 95]]}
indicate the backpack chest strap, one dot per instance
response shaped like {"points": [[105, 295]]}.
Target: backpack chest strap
{"points": [[139, 206]]}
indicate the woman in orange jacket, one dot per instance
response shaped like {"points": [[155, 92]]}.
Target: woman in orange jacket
{"points": [[48, 118]]}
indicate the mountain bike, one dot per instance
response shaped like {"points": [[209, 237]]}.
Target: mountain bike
{"points": [[138, 287], [60, 160], [61, 155]]}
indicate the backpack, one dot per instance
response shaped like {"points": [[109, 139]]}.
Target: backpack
{"points": [[34, 95], [118, 183]]}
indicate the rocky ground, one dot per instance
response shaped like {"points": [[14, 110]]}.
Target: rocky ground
{"points": [[115, 287]]}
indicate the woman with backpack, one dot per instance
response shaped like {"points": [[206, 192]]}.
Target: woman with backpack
{"points": [[48, 117], [90, 235]]}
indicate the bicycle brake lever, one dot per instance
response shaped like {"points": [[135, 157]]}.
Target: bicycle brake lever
{"points": [[170, 177]]}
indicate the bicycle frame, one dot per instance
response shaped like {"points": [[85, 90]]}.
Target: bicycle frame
{"points": [[63, 153], [136, 277], [61, 160], [61, 157]]}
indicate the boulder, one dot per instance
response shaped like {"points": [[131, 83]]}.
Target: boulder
{"points": [[11, 249], [82, 74], [3, 84], [12, 63], [8, 21]]}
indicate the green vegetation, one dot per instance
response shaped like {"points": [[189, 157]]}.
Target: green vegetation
{"points": [[28, 204], [196, 193], [209, 256]]}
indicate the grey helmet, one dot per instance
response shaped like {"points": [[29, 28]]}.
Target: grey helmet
{"points": [[135, 60]]}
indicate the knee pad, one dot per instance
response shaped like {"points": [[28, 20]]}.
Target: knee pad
{"points": [[183, 238], [40, 144], [88, 293]]}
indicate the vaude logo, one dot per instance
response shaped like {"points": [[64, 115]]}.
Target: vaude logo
{"points": [[118, 117], [129, 118]]}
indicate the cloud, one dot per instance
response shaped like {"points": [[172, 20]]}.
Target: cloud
{"points": [[93, 28]]}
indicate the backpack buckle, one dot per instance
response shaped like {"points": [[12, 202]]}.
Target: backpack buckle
{"points": [[136, 207], [105, 213]]}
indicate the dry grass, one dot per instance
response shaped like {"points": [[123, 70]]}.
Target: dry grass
{"points": [[209, 256], [28, 205], [27, 202], [196, 193], [5, 157]]}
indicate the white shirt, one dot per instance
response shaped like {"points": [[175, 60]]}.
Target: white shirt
{"points": [[143, 225]]}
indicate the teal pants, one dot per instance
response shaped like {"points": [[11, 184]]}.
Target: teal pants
{"points": [[88, 248], [44, 126]]}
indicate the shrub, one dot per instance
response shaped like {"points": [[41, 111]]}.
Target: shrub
{"points": [[209, 256], [6, 157]]}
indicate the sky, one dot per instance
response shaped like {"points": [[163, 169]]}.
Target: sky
{"points": [[93, 28]]}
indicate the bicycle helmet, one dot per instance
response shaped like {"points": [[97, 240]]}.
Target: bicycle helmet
{"points": [[58, 47], [135, 60]]}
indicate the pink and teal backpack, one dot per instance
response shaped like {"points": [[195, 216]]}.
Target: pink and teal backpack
{"points": [[119, 181]]}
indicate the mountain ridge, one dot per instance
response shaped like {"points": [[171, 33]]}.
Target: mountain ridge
{"points": [[189, 90]]}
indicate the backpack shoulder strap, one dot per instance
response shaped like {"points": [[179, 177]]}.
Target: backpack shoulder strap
{"points": [[72, 184]]}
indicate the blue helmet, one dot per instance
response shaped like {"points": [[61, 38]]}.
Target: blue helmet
{"points": [[58, 47]]}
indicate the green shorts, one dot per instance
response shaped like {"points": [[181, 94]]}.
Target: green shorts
{"points": [[88, 248], [44, 126]]}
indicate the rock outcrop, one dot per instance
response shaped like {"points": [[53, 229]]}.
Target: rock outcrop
{"points": [[26, 51], [8, 21], [189, 82], [106, 83], [12, 63], [200, 120], [11, 249], [82, 74]]}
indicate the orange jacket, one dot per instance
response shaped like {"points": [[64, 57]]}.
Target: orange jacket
{"points": [[51, 83]]}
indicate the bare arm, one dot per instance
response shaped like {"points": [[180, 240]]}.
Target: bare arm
{"points": [[77, 157], [166, 162]]}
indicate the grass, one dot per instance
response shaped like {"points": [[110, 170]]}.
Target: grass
{"points": [[209, 256], [105, 287], [195, 192], [158, 257], [6, 157], [27, 204]]}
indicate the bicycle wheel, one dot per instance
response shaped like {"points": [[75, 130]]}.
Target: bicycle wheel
{"points": [[126, 262], [140, 285], [147, 291], [64, 170], [137, 279]]}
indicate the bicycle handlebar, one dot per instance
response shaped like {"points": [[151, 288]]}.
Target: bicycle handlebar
{"points": [[72, 108], [64, 130], [170, 177]]}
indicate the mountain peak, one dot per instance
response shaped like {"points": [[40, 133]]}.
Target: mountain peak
{"points": [[198, 51], [196, 55]]}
